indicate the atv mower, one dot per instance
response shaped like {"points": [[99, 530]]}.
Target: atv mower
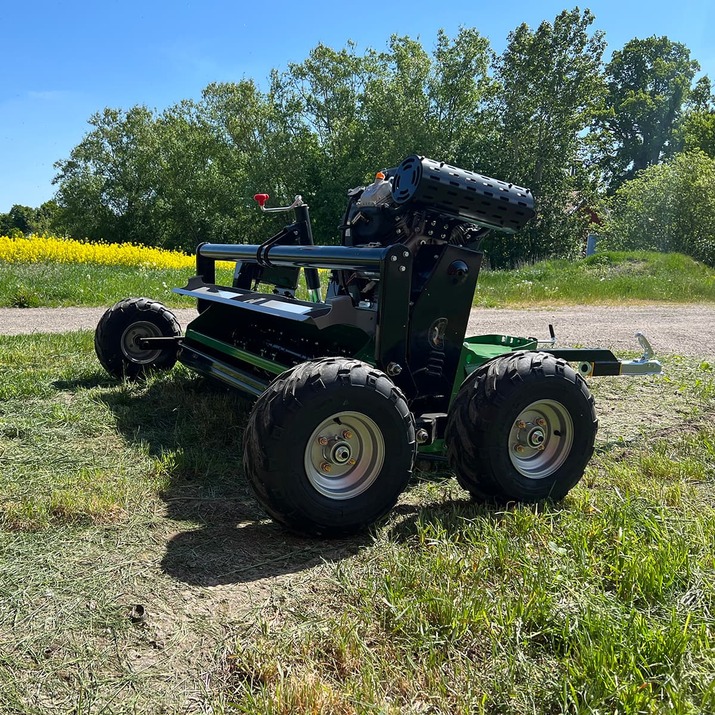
{"points": [[353, 388]]}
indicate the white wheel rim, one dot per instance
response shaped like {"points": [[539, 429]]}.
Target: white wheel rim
{"points": [[130, 342], [541, 439], [344, 455]]}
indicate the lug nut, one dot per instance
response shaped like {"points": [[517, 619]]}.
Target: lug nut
{"points": [[541, 422], [352, 462], [519, 448], [521, 424], [326, 467], [347, 434], [322, 441]]}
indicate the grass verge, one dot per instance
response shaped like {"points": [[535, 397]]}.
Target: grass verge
{"points": [[604, 278], [37, 285], [116, 496], [609, 277]]}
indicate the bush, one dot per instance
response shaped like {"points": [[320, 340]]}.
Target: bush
{"points": [[667, 207]]}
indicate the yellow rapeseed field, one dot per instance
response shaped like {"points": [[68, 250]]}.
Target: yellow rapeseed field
{"points": [[50, 249]]}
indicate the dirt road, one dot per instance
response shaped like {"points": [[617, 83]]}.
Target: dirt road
{"points": [[679, 329]]}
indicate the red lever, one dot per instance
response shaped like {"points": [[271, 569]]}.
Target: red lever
{"points": [[261, 198]]}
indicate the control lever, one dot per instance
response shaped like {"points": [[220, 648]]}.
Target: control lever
{"points": [[552, 337], [263, 198]]}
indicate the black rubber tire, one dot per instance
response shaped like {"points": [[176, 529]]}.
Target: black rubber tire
{"points": [[281, 430], [483, 418], [149, 317]]}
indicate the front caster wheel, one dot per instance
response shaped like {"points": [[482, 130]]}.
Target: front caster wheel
{"points": [[117, 339], [521, 428], [329, 446]]}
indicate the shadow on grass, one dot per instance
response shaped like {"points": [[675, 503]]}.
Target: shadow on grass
{"points": [[453, 516], [193, 428]]}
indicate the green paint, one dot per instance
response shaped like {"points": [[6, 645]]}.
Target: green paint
{"points": [[479, 349], [437, 447], [233, 351]]}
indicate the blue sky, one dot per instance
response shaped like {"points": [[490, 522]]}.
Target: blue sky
{"points": [[63, 60]]}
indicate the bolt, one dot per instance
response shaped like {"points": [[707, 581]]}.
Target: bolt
{"points": [[519, 448], [541, 422], [393, 258], [405, 254], [402, 269], [326, 467], [394, 369], [541, 447], [347, 434], [352, 462], [521, 424], [422, 436], [322, 441]]}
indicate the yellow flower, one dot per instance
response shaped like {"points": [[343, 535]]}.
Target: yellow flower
{"points": [[51, 249]]}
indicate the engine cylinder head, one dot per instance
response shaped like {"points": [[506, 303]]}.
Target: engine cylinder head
{"points": [[465, 194]]}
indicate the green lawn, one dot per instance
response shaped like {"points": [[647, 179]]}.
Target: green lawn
{"points": [[114, 496], [611, 277], [603, 278]]}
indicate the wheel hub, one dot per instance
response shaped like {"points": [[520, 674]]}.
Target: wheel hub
{"points": [[541, 439], [344, 455], [131, 346], [340, 453]]}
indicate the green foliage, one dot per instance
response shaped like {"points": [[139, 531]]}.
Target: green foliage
{"points": [[24, 220], [668, 207], [698, 132], [543, 114], [548, 83], [648, 83]]}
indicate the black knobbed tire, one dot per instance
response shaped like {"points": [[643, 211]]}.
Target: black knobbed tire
{"points": [[117, 333], [329, 447], [521, 428]]}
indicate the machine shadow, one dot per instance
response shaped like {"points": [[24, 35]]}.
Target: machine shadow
{"points": [[193, 428]]}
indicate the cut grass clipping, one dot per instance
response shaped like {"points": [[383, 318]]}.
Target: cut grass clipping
{"points": [[138, 574]]}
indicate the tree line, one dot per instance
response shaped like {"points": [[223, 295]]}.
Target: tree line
{"points": [[546, 113]]}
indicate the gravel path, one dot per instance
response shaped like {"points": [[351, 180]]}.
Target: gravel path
{"points": [[681, 329]]}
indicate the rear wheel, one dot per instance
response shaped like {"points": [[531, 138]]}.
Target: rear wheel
{"points": [[329, 446], [522, 427], [117, 339]]}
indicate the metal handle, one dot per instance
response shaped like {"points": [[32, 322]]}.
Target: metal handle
{"points": [[262, 198]]}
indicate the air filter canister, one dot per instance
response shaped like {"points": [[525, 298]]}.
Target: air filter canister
{"points": [[458, 192]]}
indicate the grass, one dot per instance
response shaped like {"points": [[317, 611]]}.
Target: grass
{"points": [[114, 496], [604, 278], [609, 277], [36, 285]]}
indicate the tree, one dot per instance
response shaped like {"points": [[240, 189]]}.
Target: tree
{"points": [[667, 207], [108, 186], [697, 129], [548, 87], [27, 220], [648, 84]]}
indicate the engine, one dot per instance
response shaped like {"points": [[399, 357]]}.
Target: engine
{"points": [[423, 201]]}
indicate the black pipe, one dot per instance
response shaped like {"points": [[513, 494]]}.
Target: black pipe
{"points": [[332, 257]]}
